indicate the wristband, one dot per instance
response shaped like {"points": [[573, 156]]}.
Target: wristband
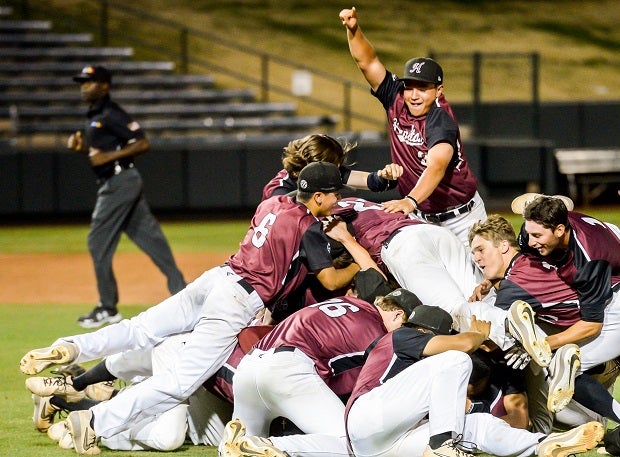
{"points": [[415, 202]]}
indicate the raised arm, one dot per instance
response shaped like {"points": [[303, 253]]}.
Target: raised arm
{"points": [[361, 50]]}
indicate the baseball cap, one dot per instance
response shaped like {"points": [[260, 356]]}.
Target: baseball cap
{"points": [[321, 177], [370, 284], [432, 318], [423, 69], [406, 300], [97, 73]]}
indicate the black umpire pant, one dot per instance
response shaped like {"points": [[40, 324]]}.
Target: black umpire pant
{"points": [[121, 207]]}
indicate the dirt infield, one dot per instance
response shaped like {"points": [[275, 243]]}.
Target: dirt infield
{"points": [[69, 278]]}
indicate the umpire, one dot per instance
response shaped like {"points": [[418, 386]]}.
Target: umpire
{"points": [[111, 140]]}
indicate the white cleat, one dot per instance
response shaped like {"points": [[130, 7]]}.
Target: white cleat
{"points": [[520, 324], [38, 360], [233, 432], [519, 204], [579, 439], [564, 367]]}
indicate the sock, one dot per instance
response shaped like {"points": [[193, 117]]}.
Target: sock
{"points": [[436, 441], [98, 373], [61, 403], [591, 394]]}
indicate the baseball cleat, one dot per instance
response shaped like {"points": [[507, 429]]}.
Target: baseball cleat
{"points": [[38, 360], [447, 449], [84, 438], [98, 317], [564, 367], [233, 432], [44, 412], [579, 439], [519, 204], [57, 431], [255, 446], [101, 391], [57, 385], [520, 324]]}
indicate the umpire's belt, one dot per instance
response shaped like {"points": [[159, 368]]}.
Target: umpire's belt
{"points": [[436, 218], [242, 282], [115, 170]]}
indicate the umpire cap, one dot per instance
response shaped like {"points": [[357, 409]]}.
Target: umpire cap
{"points": [[96, 73], [432, 318]]}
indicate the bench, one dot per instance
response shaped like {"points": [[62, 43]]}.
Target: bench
{"points": [[591, 169], [45, 39], [7, 25], [73, 68], [78, 111], [65, 53], [209, 124], [122, 96], [168, 80]]}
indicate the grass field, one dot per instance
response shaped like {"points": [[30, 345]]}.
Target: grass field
{"points": [[26, 326]]}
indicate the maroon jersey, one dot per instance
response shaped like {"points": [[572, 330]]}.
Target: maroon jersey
{"points": [[284, 242], [280, 184], [392, 354], [371, 224], [536, 282], [220, 384], [590, 265], [410, 139], [334, 334]]}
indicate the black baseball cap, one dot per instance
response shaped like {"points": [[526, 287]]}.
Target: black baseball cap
{"points": [[432, 318], [406, 299], [97, 73], [321, 177], [370, 284], [423, 69]]}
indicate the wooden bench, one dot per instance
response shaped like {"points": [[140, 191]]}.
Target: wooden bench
{"points": [[73, 68], [65, 53], [592, 170], [45, 39]]}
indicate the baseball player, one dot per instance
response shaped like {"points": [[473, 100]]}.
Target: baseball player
{"points": [[316, 147], [437, 184], [111, 140], [560, 312], [386, 419], [284, 242]]}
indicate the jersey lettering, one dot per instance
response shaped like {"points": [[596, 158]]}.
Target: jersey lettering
{"points": [[360, 206], [262, 230]]}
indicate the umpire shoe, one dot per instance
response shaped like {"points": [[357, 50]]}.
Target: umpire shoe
{"points": [[520, 324], [564, 367], [233, 432], [84, 438], [579, 439], [447, 449], [38, 360], [44, 412], [98, 317], [57, 385]]}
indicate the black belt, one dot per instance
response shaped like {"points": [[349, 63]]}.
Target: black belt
{"points": [[435, 218], [284, 349], [391, 237], [117, 169], [242, 282]]}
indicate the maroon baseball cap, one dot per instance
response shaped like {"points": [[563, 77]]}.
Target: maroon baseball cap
{"points": [[96, 73], [423, 69]]}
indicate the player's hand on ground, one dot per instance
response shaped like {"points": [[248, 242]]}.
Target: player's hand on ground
{"points": [[517, 358], [403, 205], [391, 171], [349, 18], [481, 290], [483, 327]]}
